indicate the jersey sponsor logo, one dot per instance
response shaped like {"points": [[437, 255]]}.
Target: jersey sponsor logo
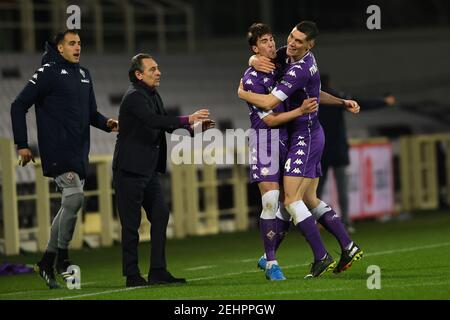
{"points": [[292, 74], [249, 81], [300, 153], [63, 71], [287, 84], [298, 161]]}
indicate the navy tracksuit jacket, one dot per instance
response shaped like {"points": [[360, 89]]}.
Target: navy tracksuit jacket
{"points": [[64, 100]]}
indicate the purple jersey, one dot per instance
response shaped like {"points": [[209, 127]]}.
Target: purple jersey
{"points": [[301, 80], [263, 83], [268, 148]]}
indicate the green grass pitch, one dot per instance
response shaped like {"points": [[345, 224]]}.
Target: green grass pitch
{"points": [[413, 255]]}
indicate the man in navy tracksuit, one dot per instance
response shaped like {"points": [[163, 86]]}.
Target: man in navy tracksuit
{"points": [[65, 105]]}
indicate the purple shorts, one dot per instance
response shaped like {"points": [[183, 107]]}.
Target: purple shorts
{"points": [[305, 152], [267, 159]]}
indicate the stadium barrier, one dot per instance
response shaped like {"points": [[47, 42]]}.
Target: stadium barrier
{"points": [[42, 198], [186, 216], [186, 189], [419, 171]]}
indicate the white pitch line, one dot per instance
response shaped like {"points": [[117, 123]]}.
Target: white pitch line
{"points": [[429, 284], [97, 293], [437, 245], [431, 246], [201, 268], [37, 291]]}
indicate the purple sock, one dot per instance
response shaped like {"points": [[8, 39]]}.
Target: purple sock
{"points": [[268, 230], [331, 221], [311, 233], [282, 228]]}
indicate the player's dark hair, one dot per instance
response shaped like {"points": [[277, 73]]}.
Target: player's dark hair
{"points": [[256, 31], [59, 37], [309, 28], [136, 64]]}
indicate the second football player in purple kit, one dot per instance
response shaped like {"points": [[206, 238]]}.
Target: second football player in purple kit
{"points": [[302, 170], [268, 149]]}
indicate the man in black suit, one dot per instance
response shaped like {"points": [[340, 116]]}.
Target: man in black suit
{"points": [[139, 157]]}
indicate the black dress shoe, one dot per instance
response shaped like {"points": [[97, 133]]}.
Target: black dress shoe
{"points": [[136, 281], [163, 277]]}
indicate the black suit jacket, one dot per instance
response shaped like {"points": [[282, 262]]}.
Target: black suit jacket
{"points": [[141, 143]]}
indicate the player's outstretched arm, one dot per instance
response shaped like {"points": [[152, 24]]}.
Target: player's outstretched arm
{"points": [[262, 101], [351, 105], [276, 119]]}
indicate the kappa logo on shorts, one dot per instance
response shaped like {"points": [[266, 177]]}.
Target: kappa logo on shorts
{"points": [[264, 171], [70, 176]]}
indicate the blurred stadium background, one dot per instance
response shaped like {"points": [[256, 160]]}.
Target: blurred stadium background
{"points": [[400, 154]]}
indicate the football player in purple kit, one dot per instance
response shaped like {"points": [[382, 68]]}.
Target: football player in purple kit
{"points": [[301, 80], [268, 148]]}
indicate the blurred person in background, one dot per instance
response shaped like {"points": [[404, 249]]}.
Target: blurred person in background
{"points": [[65, 105], [336, 150]]}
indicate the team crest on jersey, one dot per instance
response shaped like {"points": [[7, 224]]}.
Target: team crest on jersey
{"points": [[264, 171]]}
